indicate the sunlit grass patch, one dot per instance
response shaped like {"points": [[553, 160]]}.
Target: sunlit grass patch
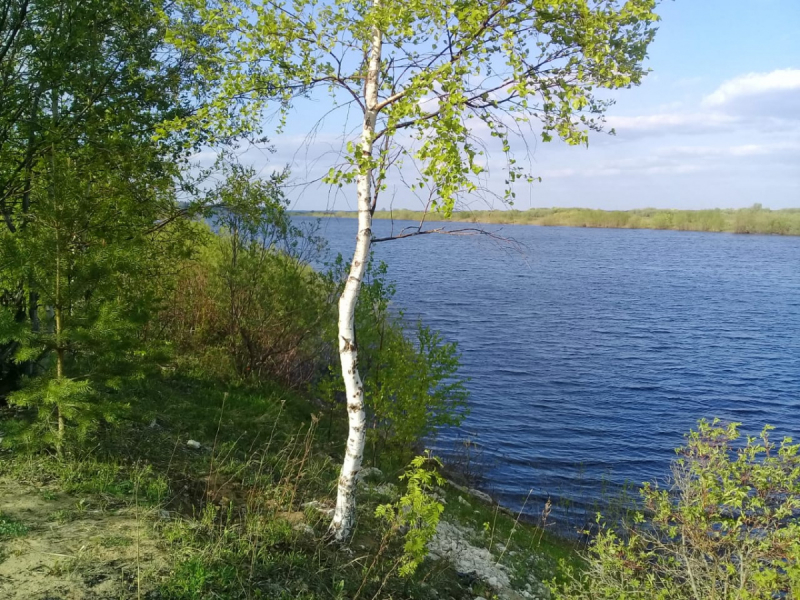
{"points": [[11, 527]]}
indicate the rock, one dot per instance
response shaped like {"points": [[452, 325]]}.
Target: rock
{"points": [[317, 505], [194, 445], [368, 472], [500, 547], [383, 489], [462, 501], [451, 542], [304, 528], [164, 514], [509, 594], [482, 496]]}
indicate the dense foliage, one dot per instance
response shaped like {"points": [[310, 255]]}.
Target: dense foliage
{"points": [[411, 377], [727, 528], [88, 199], [246, 305]]}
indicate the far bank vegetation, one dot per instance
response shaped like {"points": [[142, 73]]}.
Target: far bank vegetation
{"points": [[754, 220]]}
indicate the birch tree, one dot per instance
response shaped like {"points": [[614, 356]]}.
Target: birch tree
{"points": [[434, 83]]}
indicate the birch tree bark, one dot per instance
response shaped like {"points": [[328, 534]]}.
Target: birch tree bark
{"points": [[344, 514]]}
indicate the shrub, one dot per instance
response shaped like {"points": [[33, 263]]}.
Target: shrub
{"points": [[410, 374], [727, 529], [248, 305], [416, 513]]}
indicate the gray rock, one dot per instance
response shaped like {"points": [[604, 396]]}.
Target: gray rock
{"points": [[383, 489], [304, 529], [451, 542], [194, 445], [368, 472], [482, 496], [317, 505]]}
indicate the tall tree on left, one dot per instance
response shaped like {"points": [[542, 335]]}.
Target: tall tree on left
{"points": [[86, 195]]}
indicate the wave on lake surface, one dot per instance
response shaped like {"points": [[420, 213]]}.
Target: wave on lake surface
{"points": [[593, 351]]}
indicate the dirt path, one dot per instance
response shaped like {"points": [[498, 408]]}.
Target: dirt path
{"points": [[54, 546]]}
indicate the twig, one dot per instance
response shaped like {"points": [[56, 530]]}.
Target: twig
{"points": [[514, 528], [138, 563], [442, 231]]}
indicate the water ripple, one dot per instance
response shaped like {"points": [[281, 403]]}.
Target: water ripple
{"points": [[593, 354]]}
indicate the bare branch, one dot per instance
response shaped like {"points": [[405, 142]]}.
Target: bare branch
{"points": [[442, 231]]}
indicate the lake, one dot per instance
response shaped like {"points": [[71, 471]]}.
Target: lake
{"points": [[592, 351]]}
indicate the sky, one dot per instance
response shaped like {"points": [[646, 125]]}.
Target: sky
{"points": [[716, 124]]}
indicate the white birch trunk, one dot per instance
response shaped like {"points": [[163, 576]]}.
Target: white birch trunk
{"points": [[344, 515]]}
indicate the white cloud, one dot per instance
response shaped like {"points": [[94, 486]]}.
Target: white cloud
{"points": [[754, 101], [739, 150], [682, 160], [754, 84], [671, 123]]}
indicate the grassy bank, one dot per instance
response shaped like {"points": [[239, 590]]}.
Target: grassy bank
{"points": [[194, 452], [754, 220], [240, 514]]}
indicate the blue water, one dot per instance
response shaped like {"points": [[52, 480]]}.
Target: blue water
{"points": [[592, 351]]}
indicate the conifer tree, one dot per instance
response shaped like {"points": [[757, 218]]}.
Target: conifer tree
{"points": [[91, 253], [88, 198]]}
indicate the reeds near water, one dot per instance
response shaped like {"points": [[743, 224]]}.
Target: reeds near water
{"points": [[756, 220]]}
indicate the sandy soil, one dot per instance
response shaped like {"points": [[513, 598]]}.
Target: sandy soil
{"points": [[76, 549]]}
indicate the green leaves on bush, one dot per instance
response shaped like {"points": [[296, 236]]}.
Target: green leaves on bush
{"points": [[411, 378], [727, 529], [417, 512], [247, 305]]}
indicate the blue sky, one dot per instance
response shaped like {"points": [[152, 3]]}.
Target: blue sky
{"points": [[716, 124]]}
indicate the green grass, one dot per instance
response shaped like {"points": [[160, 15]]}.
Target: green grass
{"points": [[11, 527], [116, 541], [528, 548], [755, 220], [237, 525]]}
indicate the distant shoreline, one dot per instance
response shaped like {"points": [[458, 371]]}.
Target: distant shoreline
{"points": [[754, 220]]}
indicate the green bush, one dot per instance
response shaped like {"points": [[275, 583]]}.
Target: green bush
{"points": [[87, 269], [247, 305], [417, 512], [727, 529], [410, 375]]}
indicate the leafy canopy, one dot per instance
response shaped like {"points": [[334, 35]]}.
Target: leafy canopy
{"points": [[451, 74]]}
